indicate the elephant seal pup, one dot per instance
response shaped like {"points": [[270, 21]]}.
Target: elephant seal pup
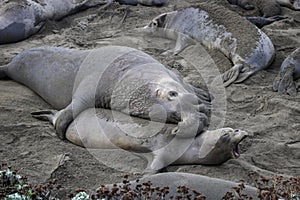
{"points": [[107, 129], [250, 50], [143, 2], [211, 188], [115, 77], [20, 19], [289, 71]]}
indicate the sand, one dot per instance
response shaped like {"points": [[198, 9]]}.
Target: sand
{"points": [[272, 119]]}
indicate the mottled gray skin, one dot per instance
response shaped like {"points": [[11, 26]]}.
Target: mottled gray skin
{"points": [[143, 2], [250, 51], [289, 71], [270, 10], [211, 188], [115, 77], [107, 129], [20, 19]]}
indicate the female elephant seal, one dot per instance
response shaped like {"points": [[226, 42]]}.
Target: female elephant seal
{"points": [[107, 129], [20, 19], [211, 188], [249, 49], [289, 71], [115, 77]]}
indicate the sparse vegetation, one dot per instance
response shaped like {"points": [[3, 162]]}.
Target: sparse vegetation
{"points": [[16, 187]]}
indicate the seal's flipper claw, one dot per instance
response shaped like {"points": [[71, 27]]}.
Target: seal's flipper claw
{"points": [[231, 75], [44, 115], [182, 42], [245, 72]]}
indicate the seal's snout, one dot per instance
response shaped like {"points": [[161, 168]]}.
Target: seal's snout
{"points": [[239, 136]]}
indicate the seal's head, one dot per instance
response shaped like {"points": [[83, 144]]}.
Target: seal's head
{"points": [[175, 103], [162, 20], [220, 145]]}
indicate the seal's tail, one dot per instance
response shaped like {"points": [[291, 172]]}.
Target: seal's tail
{"points": [[3, 70]]}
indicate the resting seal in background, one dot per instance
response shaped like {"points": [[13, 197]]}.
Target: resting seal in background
{"points": [[114, 77], [20, 19], [249, 51], [289, 71], [211, 188], [107, 129], [270, 10]]}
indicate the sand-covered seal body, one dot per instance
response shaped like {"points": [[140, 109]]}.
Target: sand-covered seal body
{"points": [[211, 188], [114, 77], [249, 49], [289, 71], [107, 129], [20, 19]]}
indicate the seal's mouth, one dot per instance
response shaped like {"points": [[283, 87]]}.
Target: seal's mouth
{"points": [[235, 152]]}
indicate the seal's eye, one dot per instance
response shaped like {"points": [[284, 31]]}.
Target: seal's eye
{"points": [[292, 1], [154, 23], [173, 94], [225, 137]]}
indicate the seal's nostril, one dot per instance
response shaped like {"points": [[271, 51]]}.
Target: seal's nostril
{"points": [[173, 93]]}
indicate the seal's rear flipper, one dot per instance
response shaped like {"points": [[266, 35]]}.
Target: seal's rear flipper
{"points": [[45, 115], [231, 75], [263, 21]]}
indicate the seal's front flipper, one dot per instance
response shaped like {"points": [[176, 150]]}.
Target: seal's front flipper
{"points": [[45, 115], [284, 82], [263, 21], [182, 42]]}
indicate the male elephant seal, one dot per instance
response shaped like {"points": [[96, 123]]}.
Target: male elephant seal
{"points": [[20, 19], [289, 71], [115, 77], [211, 188], [107, 129], [249, 49], [270, 10]]}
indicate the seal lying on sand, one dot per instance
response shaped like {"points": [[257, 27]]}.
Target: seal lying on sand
{"points": [[143, 2], [270, 10], [289, 71], [20, 19], [107, 129], [115, 77], [249, 49], [211, 188]]}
